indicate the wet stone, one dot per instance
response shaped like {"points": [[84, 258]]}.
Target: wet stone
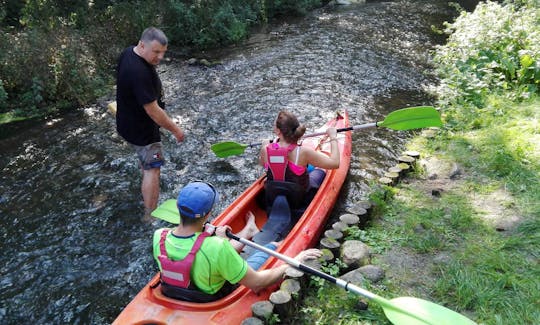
{"points": [[404, 167], [386, 181], [350, 218], [331, 244], [412, 153], [406, 159], [364, 204], [357, 209], [339, 226], [333, 234], [391, 174]]}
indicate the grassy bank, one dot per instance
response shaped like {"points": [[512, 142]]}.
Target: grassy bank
{"points": [[463, 230], [473, 247]]}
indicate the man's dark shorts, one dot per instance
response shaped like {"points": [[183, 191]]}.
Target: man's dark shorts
{"points": [[150, 156]]}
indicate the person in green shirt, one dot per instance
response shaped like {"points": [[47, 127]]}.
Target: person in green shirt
{"points": [[217, 265]]}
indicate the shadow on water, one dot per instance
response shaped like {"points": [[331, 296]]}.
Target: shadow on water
{"points": [[73, 247]]}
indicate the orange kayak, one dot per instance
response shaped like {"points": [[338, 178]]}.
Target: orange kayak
{"points": [[150, 306]]}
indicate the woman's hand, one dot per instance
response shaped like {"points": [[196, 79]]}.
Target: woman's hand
{"points": [[332, 132]]}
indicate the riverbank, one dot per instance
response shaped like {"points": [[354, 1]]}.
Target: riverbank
{"points": [[462, 230]]}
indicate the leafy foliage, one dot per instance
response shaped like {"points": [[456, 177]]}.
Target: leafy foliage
{"points": [[70, 47], [494, 49], [210, 23]]}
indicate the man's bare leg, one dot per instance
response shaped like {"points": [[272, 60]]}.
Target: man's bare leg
{"points": [[150, 191]]}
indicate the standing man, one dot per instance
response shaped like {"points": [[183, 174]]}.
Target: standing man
{"points": [[140, 109]]}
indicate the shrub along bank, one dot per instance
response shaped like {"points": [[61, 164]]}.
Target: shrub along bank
{"points": [[470, 240], [60, 55]]}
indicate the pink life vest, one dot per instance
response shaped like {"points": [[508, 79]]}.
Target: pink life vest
{"points": [[278, 159], [177, 273]]}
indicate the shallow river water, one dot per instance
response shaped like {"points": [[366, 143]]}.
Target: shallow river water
{"points": [[74, 250]]}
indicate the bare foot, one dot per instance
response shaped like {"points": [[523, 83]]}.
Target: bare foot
{"points": [[251, 227], [148, 219]]}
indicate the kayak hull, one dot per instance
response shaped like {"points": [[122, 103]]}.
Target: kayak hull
{"points": [[150, 306]]}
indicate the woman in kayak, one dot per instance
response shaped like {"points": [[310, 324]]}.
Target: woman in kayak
{"points": [[196, 266], [294, 174], [285, 159]]}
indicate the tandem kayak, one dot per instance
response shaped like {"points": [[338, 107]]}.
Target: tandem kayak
{"points": [[150, 306]]}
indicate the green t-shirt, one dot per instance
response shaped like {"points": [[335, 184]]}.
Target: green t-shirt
{"points": [[216, 261]]}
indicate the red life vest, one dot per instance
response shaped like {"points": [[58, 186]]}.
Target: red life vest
{"points": [[177, 273], [278, 159]]}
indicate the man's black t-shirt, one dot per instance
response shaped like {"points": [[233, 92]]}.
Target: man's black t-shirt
{"points": [[137, 84]]}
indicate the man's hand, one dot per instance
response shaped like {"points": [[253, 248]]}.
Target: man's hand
{"points": [[308, 254], [221, 231], [179, 134]]}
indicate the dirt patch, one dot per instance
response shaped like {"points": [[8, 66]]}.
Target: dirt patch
{"points": [[496, 209], [414, 271]]}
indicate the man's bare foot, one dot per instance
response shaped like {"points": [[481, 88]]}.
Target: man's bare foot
{"points": [[251, 227], [147, 218]]}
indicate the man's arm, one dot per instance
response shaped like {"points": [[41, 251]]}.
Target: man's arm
{"points": [[257, 280], [162, 119]]}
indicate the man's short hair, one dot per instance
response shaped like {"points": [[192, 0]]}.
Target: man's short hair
{"points": [[154, 34]]}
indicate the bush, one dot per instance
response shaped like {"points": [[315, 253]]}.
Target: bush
{"points": [[64, 72], [210, 23], [290, 7], [70, 49], [495, 49], [3, 96]]}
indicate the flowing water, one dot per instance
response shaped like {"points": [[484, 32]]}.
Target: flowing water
{"points": [[74, 250]]}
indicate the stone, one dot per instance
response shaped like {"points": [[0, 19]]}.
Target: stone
{"points": [[355, 253], [252, 321], [331, 233], [406, 159], [349, 219], [372, 272], [262, 309], [292, 286], [339, 226], [355, 277], [386, 181], [412, 153]]}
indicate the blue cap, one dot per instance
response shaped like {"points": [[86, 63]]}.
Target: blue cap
{"points": [[196, 199]]}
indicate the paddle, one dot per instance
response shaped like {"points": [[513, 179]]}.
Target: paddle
{"points": [[401, 119], [167, 211], [402, 310]]}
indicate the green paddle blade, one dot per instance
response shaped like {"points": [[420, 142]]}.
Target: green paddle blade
{"points": [[167, 211], [228, 148], [415, 311], [412, 118]]}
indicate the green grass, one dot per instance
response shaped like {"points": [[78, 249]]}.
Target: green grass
{"points": [[492, 277]]}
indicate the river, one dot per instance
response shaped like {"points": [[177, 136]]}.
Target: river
{"points": [[74, 250]]}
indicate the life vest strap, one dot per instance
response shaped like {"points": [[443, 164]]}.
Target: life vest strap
{"points": [[177, 273]]}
